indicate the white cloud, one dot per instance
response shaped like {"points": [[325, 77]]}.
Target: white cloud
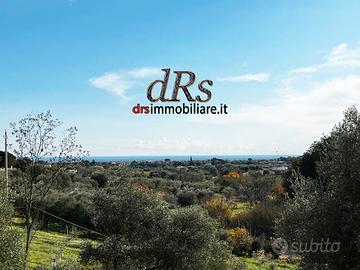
{"points": [[292, 120], [118, 83], [145, 72], [258, 77], [340, 56], [111, 82]]}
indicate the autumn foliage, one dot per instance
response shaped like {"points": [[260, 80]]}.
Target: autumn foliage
{"points": [[218, 207], [241, 240]]}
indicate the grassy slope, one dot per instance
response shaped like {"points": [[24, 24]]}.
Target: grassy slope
{"points": [[266, 264], [45, 245]]}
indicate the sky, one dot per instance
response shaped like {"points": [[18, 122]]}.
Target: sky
{"points": [[286, 69]]}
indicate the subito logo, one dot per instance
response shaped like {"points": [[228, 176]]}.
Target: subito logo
{"points": [[280, 246]]}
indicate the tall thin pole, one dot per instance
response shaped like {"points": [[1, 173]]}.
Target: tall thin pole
{"points": [[6, 165]]}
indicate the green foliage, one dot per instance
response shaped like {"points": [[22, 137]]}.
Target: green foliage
{"points": [[257, 188], [11, 159], [11, 250], [186, 197], [259, 219], [328, 207], [191, 241], [305, 165], [218, 208], [143, 233], [100, 179], [241, 241], [73, 206]]}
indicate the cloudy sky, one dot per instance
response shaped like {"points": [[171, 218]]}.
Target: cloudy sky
{"points": [[286, 69]]}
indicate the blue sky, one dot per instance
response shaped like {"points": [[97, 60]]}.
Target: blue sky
{"points": [[286, 69]]}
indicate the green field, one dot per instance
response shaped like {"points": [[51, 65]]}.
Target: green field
{"points": [[237, 207], [265, 264], [46, 245]]}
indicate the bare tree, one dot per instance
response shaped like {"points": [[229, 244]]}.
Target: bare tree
{"points": [[40, 159]]}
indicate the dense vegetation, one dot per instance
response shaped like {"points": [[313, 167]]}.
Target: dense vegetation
{"points": [[211, 214], [11, 255]]}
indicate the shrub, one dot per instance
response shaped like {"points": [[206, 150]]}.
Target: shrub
{"points": [[204, 195], [257, 189], [11, 250], [228, 192], [144, 234], [241, 240], [258, 220], [100, 179], [186, 197], [219, 208]]}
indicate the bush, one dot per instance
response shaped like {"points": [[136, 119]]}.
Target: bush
{"points": [[228, 192], [186, 197], [144, 234], [241, 241], [11, 250], [218, 208], [73, 206], [257, 189], [100, 179], [204, 195], [258, 220]]}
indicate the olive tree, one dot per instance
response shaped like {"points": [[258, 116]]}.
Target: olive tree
{"points": [[328, 206], [143, 233], [38, 138]]}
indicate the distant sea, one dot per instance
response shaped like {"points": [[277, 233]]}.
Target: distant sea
{"points": [[181, 158]]}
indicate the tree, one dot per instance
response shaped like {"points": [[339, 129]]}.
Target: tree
{"points": [[328, 207], [11, 159], [100, 179], [11, 256], [143, 233], [71, 206], [191, 241], [305, 165], [35, 140]]}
